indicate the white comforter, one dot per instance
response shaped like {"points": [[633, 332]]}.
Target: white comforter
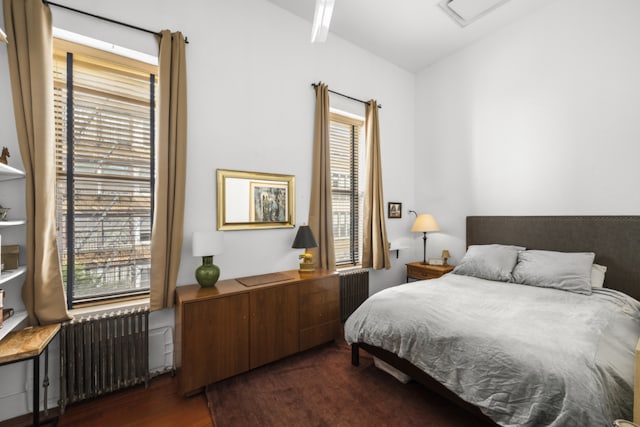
{"points": [[526, 356]]}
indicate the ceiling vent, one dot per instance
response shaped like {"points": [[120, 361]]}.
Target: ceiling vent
{"points": [[464, 12]]}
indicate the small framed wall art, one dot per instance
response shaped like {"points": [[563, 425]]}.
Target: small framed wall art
{"points": [[395, 210]]}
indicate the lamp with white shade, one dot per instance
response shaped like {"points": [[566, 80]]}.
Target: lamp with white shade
{"points": [[3, 37], [206, 244], [425, 223]]}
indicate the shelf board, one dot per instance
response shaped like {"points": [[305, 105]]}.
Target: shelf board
{"points": [[398, 248], [7, 275], [13, 322], [8, 172], [12, 223]]}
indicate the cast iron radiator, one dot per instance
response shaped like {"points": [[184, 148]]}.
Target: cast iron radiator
{"points": [[104, 353], [354, 289]]}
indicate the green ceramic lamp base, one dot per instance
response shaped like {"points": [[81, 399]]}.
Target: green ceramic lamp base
{"points": [[208, 273]]}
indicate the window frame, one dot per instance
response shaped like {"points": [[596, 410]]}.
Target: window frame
{"points": [[121, 65], [354, 216]]}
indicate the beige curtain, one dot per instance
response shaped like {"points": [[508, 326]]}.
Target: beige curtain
{"points": [[28, 25], [375, 246], [171, 154], [320, 209]]}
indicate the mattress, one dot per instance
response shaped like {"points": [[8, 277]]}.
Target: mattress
{"points": [[524, 355]]}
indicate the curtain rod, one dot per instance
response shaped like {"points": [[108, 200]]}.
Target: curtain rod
{"points": [[315, 85], [113, 21]]}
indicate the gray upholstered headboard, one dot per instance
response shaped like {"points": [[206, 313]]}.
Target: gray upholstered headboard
{"points": [[614, 239]]}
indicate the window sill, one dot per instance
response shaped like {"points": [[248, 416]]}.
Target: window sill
{"points": [[347, 268], [95, 310]]}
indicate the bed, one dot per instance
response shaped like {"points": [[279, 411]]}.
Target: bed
{"points": [[538, 356]]}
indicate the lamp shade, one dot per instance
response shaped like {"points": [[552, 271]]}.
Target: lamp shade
{"points": [[304, 238], [207, 243], [425, 223], [3, 37]]}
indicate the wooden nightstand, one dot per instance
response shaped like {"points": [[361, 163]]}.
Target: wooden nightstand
{"points": [[420, 271]]}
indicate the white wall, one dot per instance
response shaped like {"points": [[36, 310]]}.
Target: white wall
{"points": [[540, 118], [251, 106], [256, 69]]}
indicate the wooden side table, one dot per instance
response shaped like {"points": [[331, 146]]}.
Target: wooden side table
{"points": [[420, 271], [28, 344]]}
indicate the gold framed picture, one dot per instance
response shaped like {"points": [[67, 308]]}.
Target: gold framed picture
{"points": [[254, 200]]}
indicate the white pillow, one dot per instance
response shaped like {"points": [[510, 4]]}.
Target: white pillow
{"points": [[569, 271], [491, 262], [597, 275]]}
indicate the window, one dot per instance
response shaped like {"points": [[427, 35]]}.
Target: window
{"points": [[104, 116], [344, 134]]}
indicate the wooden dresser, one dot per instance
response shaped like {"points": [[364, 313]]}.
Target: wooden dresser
{"points": [[230, 328]]}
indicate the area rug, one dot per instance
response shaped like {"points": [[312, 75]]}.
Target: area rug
{"points": [[320, 387]]}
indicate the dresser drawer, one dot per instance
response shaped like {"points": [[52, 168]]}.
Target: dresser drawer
{"points": [[419, 271]]}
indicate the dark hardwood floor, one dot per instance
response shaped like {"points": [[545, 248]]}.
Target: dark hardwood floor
{"points": [[158, 405]]}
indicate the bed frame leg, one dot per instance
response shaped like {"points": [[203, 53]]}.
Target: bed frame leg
{"points": [[355, 354]]}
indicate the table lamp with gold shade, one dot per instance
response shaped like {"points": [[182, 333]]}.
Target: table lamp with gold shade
{"points": [[425, 223], [445, 256], [305, 240]]}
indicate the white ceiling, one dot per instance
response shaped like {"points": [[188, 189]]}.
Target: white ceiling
{"points": [[410, 33]]}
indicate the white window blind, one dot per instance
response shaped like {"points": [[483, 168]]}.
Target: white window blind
{"points": [[344, 135], [104, 115]]}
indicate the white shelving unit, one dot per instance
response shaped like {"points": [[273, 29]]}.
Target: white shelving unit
{"points": [[8, 173], [19, 316], [7, 275], [13, 322], [12, 223]]}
